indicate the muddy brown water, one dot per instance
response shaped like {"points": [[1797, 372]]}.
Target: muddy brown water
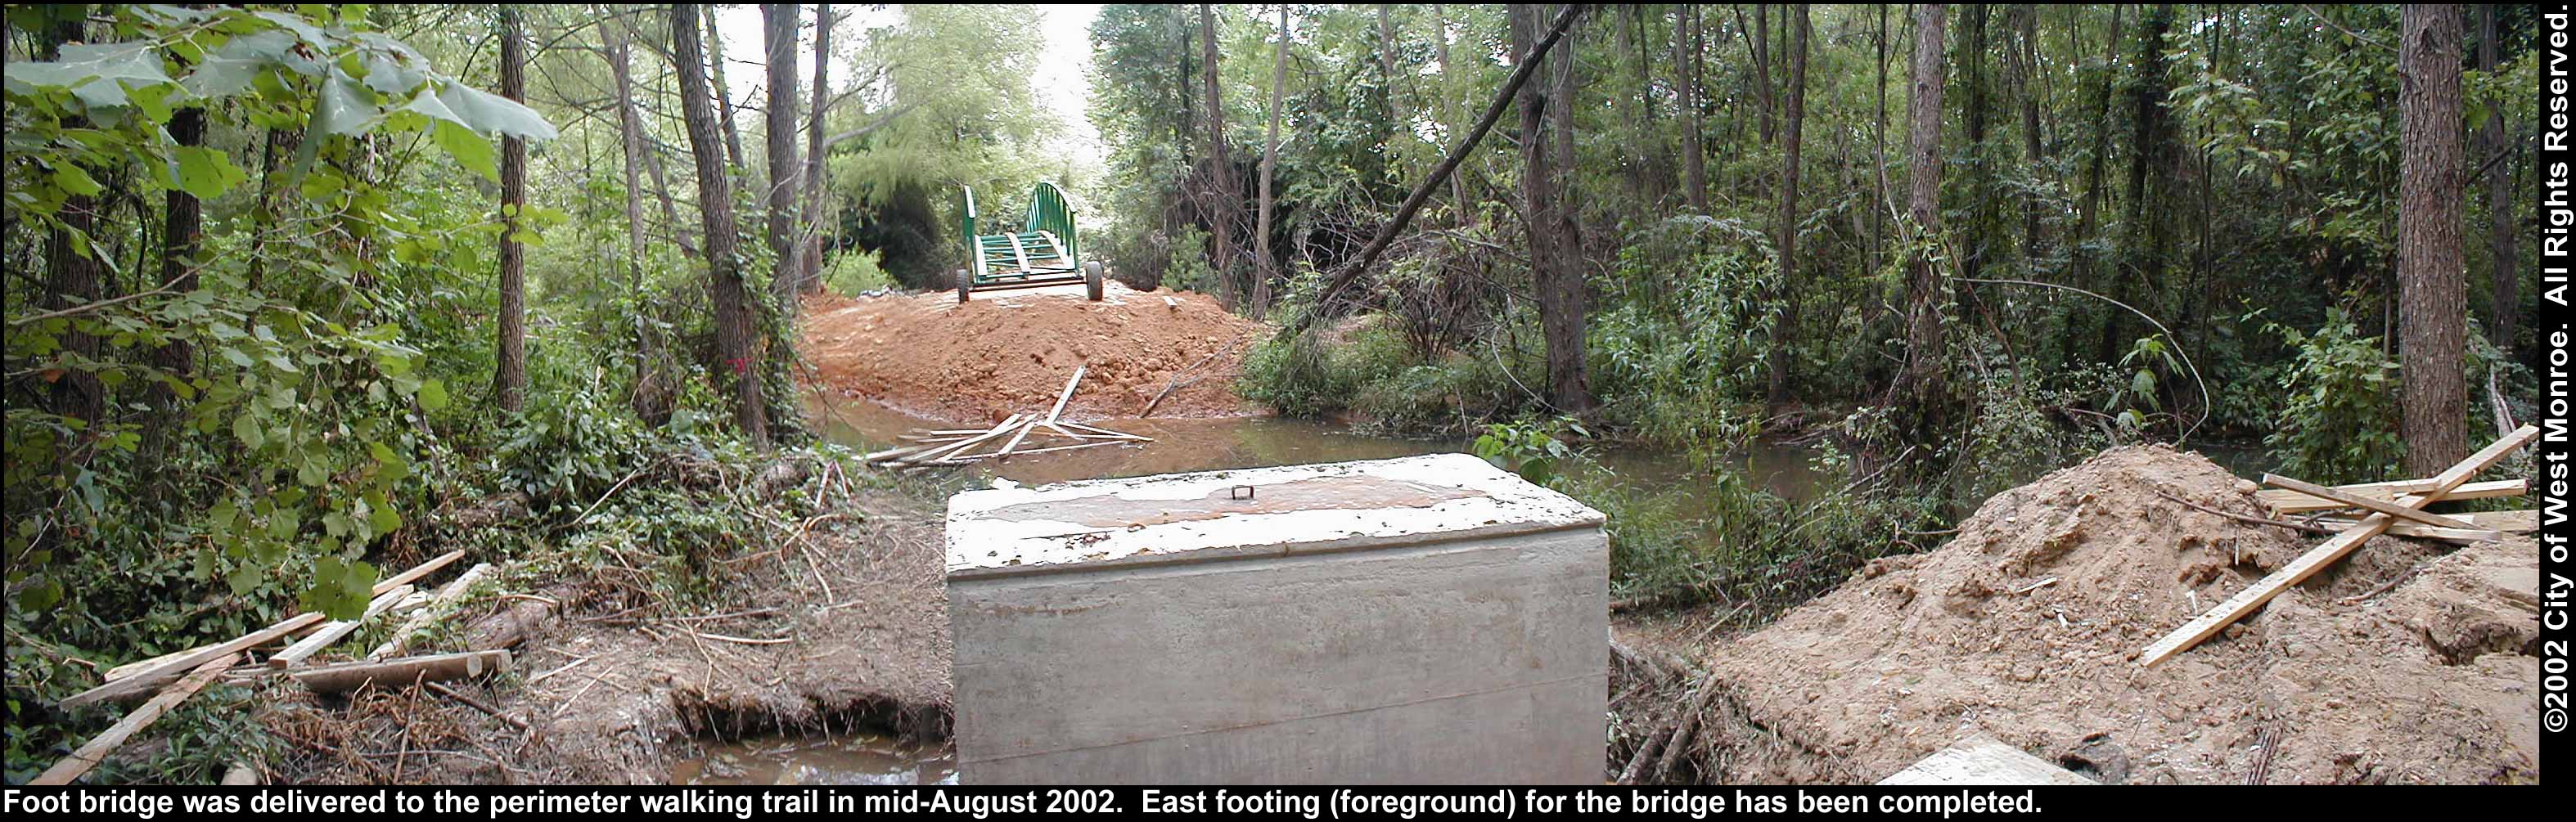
{"points": [[1180, 445]]}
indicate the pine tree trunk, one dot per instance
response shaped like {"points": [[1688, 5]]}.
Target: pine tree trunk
{"points": [[778, 35], [510, 375], [1923, 335], [2433, 297], [734, 311]]}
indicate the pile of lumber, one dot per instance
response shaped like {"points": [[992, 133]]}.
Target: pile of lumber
{"points": [[1018, 434], [2371, 510], [170, 679]]}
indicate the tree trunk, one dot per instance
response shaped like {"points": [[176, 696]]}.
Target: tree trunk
{"points": [[714, 39], [1220, 169], [734, 312], [1560, 115], [1268, 269], [1784, 337], [809, 271], [778, 34], [1560, 281], [651, 394], [182, 226], [72, 277], [2434, 301], [2026, 75], [1923, 335], [510, 373], [1974, 239], [1686, 46], [2502, 245]]}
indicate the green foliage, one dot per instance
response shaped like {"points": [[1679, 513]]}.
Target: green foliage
{"points": [[1682, 350], [1536, 450], [2341, 421], [855, 272]]}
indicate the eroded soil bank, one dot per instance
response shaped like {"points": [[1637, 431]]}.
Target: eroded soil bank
{"points": [[2406, 662]]}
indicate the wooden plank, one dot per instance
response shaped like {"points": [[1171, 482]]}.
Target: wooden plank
{"points": [[946, 451], [143, 681], [1057, 413], [2284, 501], [350, 676], [1984, 760], [2334, 548], [439, 605], [1099, 430], [2489, 525], [335, 631], [97, 748], [2389, 508], [1023, 434]]}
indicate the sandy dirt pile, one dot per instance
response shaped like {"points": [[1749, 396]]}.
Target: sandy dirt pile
{"points": [[2341, 679], [1007, 352]]}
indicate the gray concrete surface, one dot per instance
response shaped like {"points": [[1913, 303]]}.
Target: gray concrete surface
{"points": [[1444, 622]]}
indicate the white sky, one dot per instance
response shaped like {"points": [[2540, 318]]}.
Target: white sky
{"points": [[1068, 54]]}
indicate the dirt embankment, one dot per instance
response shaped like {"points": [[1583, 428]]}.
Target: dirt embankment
{"points": [[842, 628], [2405, 662], [1007, 352]]}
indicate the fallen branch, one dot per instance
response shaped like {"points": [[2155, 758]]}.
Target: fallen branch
{"points": [[2247, 518], [350, 676], [476, 704]]}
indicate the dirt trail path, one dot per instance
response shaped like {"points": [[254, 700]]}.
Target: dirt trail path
{"points": [[1006, 352]]}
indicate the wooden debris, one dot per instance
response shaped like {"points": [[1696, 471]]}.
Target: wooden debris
{"points": [[439, 605], [1984, 760], [98, 747], [142, 681], [350, 676], [2381, 506], [2285, 501], [2506, 522], [335, 631], [2247, 518], [2244, 602], [959, 446]]}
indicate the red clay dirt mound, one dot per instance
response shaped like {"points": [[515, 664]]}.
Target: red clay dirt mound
{"points": [[2341, 679], [1008, 352]]}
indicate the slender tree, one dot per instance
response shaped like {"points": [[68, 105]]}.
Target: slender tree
{"points": [[714, 40], [2502, 244], [2432, 280], [1552, 230], [809, 270], [1686, 46], [510, 373], [734, 312], [1269, 268], [1785, 229], [1220, 169], [778, 35], [1450, 73]]}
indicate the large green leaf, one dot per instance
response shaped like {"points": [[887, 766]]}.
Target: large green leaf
{"points": [[471, 150], [485, 111], [205, 173], [345, 107], [230, 69], [97, 74]]}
